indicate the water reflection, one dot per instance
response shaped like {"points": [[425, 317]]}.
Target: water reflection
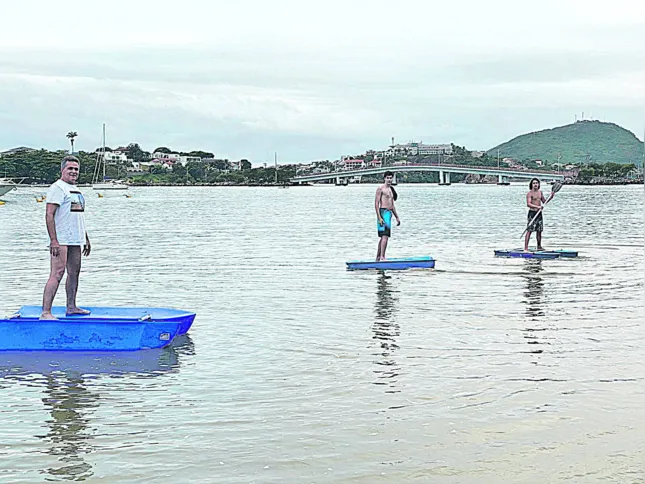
{"points": [[386, 330], [70, 382], [70, 404], [534, 293], [534, 300]]}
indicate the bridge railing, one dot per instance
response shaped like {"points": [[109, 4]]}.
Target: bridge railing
{"points": [[439, 166], [477, 167]]}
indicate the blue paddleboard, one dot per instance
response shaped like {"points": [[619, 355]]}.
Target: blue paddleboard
{"points": [[559, 252], [565, 253], [393, 264], [519, 253], [105, 328]]}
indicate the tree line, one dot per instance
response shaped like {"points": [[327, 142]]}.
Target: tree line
{"points": [[43, 167]]}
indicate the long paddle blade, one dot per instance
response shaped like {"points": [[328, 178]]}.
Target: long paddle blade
{"points": [[555, 188]]}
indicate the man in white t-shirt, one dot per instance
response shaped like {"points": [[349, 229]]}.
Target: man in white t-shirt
{"points": [[66, 229]]}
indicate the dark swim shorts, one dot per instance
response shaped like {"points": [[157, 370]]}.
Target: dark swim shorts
{"points": [[538, 224], [386, 228]]}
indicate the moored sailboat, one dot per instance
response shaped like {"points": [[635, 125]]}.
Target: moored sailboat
{"points": [[99, 180]]}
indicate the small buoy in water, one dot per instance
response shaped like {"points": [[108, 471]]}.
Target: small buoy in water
{"points": [[39, 199], [127, 196], [2, 203], [100, 195]]}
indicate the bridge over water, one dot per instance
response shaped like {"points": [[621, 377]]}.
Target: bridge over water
{"points": [[444, 171]]}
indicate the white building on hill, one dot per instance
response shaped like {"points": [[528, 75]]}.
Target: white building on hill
{"points": [[115, 157], [184, 160], [158, 155], [419, 148]]}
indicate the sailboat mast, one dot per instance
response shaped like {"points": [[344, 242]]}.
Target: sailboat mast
{"points": [[103, 151]]}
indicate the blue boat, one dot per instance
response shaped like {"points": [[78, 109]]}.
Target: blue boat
{"points": [[393, 264], [104, 329]]}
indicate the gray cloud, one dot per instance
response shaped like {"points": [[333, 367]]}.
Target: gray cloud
{"points": [[315, 90]]}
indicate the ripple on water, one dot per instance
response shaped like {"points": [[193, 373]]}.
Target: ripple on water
{"points": [[296, 370]]}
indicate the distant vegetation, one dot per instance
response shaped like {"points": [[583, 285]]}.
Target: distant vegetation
{"points": [[215, 173], [580, 143], [601, 152], [608, 171], [43, 167]]}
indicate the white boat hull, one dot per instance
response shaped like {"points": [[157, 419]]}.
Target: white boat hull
{"points": [[5, 188], [109, 186]]}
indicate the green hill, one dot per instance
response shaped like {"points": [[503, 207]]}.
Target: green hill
{"points": [[582, 141]]}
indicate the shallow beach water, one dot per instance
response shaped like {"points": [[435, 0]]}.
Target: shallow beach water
{"points": [[296, 370]]}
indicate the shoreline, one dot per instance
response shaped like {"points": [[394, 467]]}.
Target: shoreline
{"points": [[289, 185]]}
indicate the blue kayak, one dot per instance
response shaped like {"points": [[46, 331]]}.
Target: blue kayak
{"points": [[105, 328], [393, 264]]}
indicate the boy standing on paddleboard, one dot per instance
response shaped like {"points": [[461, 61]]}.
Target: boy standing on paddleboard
{"points": [[67, 235], [384, 205], [535, 200]]}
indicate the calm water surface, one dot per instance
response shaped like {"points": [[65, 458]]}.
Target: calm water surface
{"points": [[484, 370]]}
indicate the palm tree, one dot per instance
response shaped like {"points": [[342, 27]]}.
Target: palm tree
{"points": [[71, 135]]}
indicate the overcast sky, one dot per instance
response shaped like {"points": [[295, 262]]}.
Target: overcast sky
{"points": [[314, 80]]}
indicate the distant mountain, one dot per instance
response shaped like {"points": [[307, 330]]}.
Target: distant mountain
{"points": [[592, 141]]}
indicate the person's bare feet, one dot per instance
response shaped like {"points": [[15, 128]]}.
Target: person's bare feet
{"points": [[540, 248], [77, 311], [48, 316]]}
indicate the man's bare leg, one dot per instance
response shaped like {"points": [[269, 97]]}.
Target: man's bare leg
{"points": [[383, 246], [71, 285], [378, 251], [57, 264], [538, 236], [527, 238]]}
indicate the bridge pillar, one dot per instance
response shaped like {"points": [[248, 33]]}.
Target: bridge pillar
{"points": [[501, 180], [444, 178], [394, 179]]}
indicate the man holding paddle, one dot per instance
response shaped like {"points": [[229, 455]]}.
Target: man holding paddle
{"points": [[535, 200]]}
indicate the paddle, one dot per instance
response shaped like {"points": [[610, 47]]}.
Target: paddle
{"points": [[555, 188]]}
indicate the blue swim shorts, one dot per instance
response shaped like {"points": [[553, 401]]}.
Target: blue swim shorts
{"points": [[385, 229]]}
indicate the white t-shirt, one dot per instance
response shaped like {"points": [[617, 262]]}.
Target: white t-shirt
{"points": [[69, 218]]}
